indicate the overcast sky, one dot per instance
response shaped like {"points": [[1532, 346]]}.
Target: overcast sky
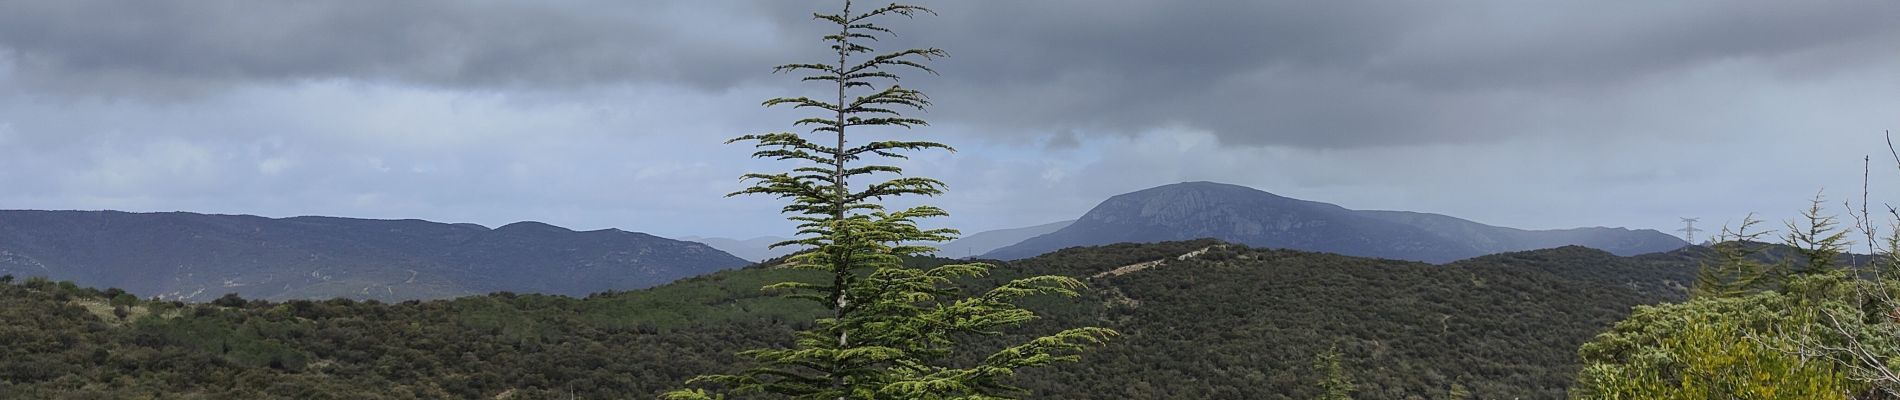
{"points": [[612, 114]]}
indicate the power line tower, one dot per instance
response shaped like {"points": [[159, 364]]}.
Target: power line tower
{"points": [[1688, 231]]}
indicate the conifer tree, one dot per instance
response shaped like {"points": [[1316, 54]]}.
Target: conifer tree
{"points": [[891, 329], [1736, 269], [1458, 392], [1337, 385], [1818, 240]]}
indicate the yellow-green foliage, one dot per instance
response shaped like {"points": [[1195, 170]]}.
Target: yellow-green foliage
{"points": [[1817, 328], [1337, 385], [1710, 348]]}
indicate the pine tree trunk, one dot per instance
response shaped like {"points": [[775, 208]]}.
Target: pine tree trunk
{"points": [[843, 258]]}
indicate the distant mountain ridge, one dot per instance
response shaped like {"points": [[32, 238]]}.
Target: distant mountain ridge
{"points": [[987, 241], [198, 257], [754, 249], [1240, 214]]}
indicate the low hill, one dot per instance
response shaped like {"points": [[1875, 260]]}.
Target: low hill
{"points": [[1239, 214], [198, 257], [1200, 319]]}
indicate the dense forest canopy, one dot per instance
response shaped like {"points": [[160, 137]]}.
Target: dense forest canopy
{"points": [[1230, 322]]}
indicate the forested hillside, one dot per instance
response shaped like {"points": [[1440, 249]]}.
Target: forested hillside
{"points": [[1228, 322]]}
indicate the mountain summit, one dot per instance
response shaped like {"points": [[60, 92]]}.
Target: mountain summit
{"points": [[1241, 214]]}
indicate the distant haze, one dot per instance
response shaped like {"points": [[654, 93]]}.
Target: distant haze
{"points": [[597, 114]]}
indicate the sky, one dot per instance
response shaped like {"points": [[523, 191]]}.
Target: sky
{"points": [[614, 114]]}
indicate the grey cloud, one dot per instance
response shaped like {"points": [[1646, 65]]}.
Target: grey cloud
{"points": [[381, 152], [1521, 44], [1335, 76], [1303, 74], [1066, 140], [166, 46]]}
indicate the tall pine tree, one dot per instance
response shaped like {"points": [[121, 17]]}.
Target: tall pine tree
{"points": [[1736, 269], [1818, 241], [891, 328]]}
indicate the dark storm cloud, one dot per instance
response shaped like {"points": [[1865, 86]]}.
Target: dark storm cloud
{"points": [[117, 47], [1531, 45], [1332, 75], [1302, 74]]}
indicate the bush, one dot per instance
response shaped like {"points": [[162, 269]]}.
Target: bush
{"points": [[1709, 348], [124, 299], [230, 300]]}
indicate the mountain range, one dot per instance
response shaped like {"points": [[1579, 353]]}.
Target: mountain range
{"points": [[197, 257], [1257, 218]]}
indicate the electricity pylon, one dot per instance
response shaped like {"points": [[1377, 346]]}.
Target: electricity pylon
{"points": [[1688, 231]]}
